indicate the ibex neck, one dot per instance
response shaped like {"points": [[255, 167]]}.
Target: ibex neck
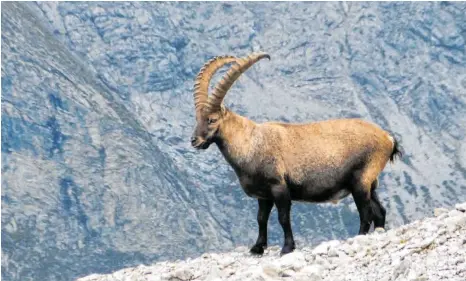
{"points": [[237, 138]]}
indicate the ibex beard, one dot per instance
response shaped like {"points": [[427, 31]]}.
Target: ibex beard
{"points": [[278, 163]]}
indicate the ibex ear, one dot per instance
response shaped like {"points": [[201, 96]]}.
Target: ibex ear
{"points": [[223, 110]]}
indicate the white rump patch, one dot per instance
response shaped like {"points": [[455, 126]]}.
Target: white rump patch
{"points": [[391, 139]]}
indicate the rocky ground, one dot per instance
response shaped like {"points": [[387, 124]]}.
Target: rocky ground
{"points": [[429, 249]]}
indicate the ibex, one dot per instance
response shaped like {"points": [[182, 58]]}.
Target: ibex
{"points": [[279, 162]]}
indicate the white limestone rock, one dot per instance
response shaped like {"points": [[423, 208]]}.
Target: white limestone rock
{"points": [[312, 272], [333, 252], [322, 261], [461, 207], [455, 222], [271, 270], [320, 249], [294, 261]]}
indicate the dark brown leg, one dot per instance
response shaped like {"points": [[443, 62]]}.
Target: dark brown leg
{"points": [[282, 201], [362, 198], [377, 208], [265, 207]]}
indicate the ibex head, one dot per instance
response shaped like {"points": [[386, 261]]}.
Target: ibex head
{"points": [[210, 111]]}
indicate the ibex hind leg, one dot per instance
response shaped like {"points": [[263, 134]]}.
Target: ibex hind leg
{"points": [[377, 208], [362, 198]]}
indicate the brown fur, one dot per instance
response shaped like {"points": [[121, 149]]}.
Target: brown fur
{"points": [[299, 149]]}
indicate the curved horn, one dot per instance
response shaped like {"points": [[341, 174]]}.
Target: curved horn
{"points": [[201, 85], [215, 100]]}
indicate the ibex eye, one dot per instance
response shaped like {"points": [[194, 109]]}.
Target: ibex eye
{"points": [[211, 121]]}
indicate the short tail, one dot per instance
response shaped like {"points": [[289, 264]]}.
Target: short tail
{"points": [[396, 150]]}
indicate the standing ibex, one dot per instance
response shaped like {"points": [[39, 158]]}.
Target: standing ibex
{"points": [[279, 162]]}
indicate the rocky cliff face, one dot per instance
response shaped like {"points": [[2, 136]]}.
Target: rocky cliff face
{"points": [[430, 249], [97, 111]]}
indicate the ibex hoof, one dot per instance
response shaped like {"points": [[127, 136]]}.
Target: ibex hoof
{"points": [[257, 249], [287, 249]]}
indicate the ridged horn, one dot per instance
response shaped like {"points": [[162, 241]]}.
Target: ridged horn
{"points": [[201, 84], [215, 100]]}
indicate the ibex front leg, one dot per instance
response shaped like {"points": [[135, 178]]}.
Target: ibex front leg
{"points": [[282, 200], [265, 206]]}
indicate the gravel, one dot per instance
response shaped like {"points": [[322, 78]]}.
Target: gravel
{"points": [[429, 249]]}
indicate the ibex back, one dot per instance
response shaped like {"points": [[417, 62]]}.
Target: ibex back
{"points": [[280, 162]]}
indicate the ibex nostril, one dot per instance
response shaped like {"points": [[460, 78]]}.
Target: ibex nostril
{"points": [[193, 139]]}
